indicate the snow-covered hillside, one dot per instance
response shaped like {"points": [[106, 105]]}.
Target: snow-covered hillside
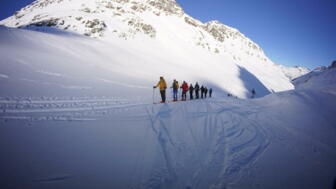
{"points": [[146, 39], [294, 72], [317, 79], [284, 140], [64, 64]]}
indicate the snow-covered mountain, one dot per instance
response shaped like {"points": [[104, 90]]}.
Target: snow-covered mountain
{"points": [[143, 39], [76, 107]]}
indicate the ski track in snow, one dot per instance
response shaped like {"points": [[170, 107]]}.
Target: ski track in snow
{"points": [[64, 109], [228, 144], [53, 179], [224, 143]]}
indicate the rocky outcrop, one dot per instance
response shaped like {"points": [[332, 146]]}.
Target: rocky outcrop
{"points": [[169, 7]]}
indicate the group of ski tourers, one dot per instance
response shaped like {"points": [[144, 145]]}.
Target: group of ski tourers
{"points": [[162, 85]]}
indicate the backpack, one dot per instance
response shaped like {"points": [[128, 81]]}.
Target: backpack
{"points": [[196, 87], [185, 87], [175, 85]]}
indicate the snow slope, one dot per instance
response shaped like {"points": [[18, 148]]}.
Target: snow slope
{"points": [[316, 79], [135, 37], [65, 64], [284, 140]]}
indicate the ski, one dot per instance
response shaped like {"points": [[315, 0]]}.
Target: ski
{"points": [[174, 101], [159, 102]]}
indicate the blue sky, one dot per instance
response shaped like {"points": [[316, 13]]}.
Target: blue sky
{"points": [[291, 32]]}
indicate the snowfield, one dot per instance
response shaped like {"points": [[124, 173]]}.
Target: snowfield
{"points": [[283, 140]]}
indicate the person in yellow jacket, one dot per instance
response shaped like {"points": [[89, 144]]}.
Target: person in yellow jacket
{"points": [[162, 86]]}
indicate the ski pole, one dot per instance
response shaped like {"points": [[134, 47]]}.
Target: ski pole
{"points": [[153, 94]]}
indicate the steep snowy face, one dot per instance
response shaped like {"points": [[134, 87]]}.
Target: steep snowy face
{"points": [[227, 36]]}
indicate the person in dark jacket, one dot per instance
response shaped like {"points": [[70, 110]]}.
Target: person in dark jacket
{"points": [[205, 92], [253, 93], [175, 87], [202, 91], [197, 90], [210, 92], [191, 90]]}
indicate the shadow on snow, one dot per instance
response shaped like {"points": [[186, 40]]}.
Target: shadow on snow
{"points": [[252, 82]]}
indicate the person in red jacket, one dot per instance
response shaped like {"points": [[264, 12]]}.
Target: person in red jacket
{"points": [[185, 89]]}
